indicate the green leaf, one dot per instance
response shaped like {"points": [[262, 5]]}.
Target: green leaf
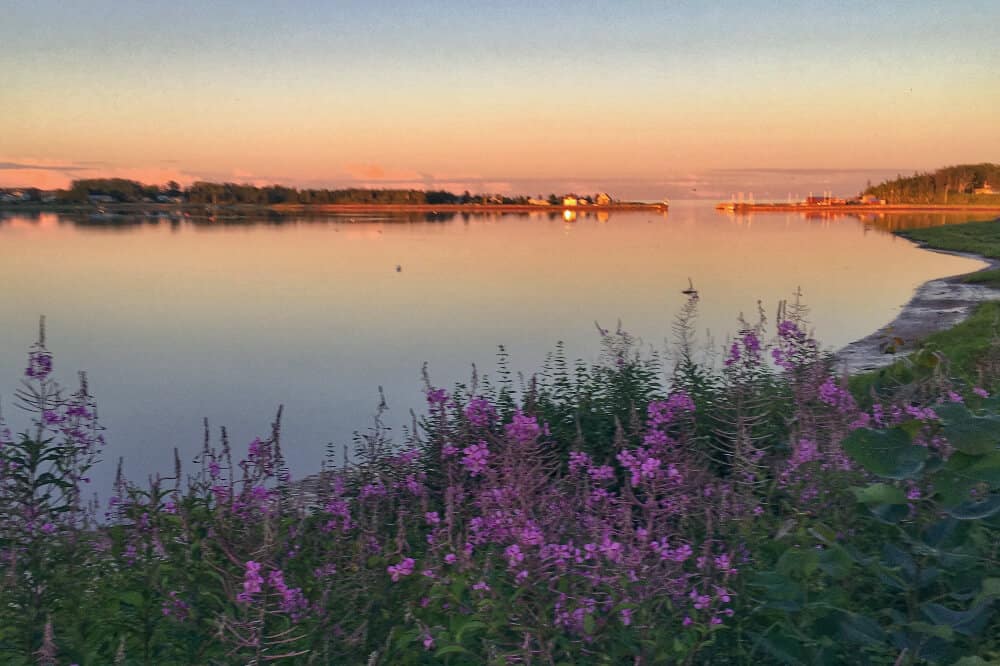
{"points": [[962, 473], [964, 622], [862, 629], [835, 562], [896, 557], [798, 563], [879, 493], [131, 598], [782, 647], [887, 453], [976, 509], [990, 589], [588, 624], [470, 626], [450, 649], [952, 412], [941, 631], [975, 435], [938, 532], [890, 513], [971, 661]]}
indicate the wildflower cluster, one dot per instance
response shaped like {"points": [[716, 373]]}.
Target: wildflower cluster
{"points": [[599, 513]]}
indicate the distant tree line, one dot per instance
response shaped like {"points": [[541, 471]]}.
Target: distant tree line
{"points": [[953, 184], [120, 190]]}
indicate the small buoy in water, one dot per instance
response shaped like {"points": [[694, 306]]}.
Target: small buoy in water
{"points": [[399, 268]]}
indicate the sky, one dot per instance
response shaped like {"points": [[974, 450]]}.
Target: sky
{"points": [[640, 99]]}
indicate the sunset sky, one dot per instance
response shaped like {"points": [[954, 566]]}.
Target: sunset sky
{"points": [[643, 99]]}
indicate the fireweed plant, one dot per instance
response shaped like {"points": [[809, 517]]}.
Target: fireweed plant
{"points": [[702, 507]]}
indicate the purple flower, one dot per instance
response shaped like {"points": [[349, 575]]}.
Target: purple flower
{"points": [[437, 396], [981, 392], [252, 582], [480, 412], [175, 607], [523, 428], [293, 602], [39, 363], [578, 460], [836, 396], [514, 555], [404, 568], [475, 458]]}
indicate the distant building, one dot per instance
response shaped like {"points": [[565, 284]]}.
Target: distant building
{"points": [[602, 199], [570, 200], [538, 202], [870, 199], [100, 198], [985, 189], [824, 201]]}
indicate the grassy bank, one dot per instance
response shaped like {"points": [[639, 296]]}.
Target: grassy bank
{"points": [[981, 238], [969, 351]]}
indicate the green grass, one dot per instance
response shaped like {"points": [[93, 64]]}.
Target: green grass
{"points": [[977, 237], [990, 277], [963, 346]]}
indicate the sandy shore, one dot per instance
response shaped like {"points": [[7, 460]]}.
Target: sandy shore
{"points": [[937, 305]]}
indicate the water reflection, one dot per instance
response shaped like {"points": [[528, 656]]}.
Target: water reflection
{"points": [[888, 222], [127, 220]]}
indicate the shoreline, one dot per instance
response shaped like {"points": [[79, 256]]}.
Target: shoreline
{"points": [[936, 305]]}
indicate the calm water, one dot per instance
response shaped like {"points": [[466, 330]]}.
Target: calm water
{"points": [[177, 321]]}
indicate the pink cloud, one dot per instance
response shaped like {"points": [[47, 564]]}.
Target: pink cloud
{"points": [[377, 172], [56, 174]]}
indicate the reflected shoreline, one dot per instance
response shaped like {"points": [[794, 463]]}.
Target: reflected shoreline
{"points": [[132, 218]]}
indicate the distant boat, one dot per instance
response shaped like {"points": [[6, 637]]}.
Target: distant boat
{"points": [[690, 291]]}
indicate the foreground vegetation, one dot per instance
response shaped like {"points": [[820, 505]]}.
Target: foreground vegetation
{"points": [[750, 511]]}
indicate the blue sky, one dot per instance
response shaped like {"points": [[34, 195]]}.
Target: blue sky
{"points": [[504, 94]]}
